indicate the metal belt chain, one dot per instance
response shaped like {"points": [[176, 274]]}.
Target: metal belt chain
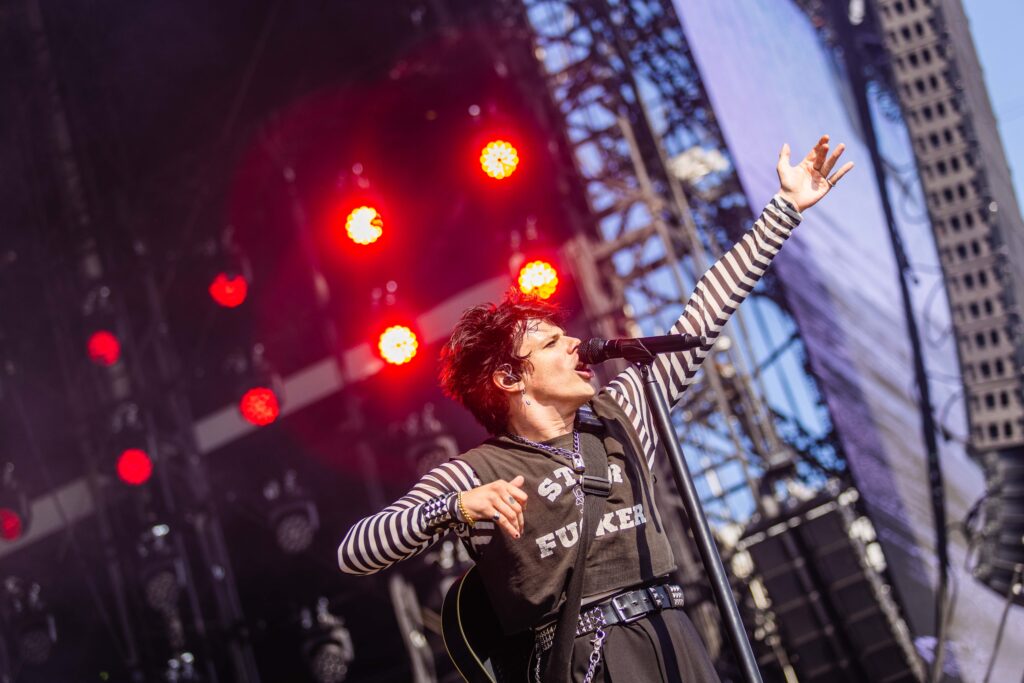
{"points": [[595, 654], [595, 658]]}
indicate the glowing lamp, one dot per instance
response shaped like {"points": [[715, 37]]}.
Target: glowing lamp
{"points": [[10, 524], [229, 290], [499, 159], [259, 406], [134, 466], [398, 345], [104, 348], [364, 225], [538, 278]]}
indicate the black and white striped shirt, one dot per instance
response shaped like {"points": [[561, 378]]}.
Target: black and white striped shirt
{"points": [[397, 532]]}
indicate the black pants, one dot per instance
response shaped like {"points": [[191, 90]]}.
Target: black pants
{"points": [[662, 648]]}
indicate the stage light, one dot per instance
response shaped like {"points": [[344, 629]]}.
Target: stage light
{"points": [[538, 278], [162, 589], [398, 344], [259, 406], [499, 159], [364, 225], [229, 290], [162, 571], [134, 466], [292, 514], [328, 648], [28, 620], [15, 510], [104, 348], [10, 524], [295, 528]]}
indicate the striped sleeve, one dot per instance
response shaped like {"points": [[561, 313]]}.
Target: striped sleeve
{"points": [[396, 532], [718, 294]]}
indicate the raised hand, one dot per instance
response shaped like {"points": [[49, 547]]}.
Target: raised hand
{"points": [[806, 183], [501, 502]]}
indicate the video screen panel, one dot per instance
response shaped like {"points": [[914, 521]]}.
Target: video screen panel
{"points": [[771, 80]]}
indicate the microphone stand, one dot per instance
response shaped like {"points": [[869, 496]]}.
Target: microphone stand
{"points": [[644, 360]]}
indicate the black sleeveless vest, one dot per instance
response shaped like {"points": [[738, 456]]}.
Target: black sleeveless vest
{"points": [[525, 577]]}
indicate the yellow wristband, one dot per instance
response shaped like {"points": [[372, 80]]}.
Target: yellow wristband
{"points": [[462, 509]]}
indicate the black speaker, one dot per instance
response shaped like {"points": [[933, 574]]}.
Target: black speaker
{"points": [[834, 612], [1001, 543]]}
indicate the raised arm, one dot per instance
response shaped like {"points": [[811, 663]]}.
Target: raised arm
{"points": [[402, 529], [721, 290]]}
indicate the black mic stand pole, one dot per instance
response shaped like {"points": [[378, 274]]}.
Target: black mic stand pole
{"points": [[697, 519]]}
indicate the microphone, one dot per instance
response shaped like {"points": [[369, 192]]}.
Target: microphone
{"points": [[598, 350]]}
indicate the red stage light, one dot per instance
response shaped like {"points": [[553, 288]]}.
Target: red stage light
{"points": [[398, 344], [10, 524], [134, 466], [229, 291], [538, 278], [104, 348], [259, 406], [364, 225], [499, 159]]}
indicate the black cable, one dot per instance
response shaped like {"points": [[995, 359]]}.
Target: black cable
{"points": [[1002, 621], [926, 306], [37, 457]]}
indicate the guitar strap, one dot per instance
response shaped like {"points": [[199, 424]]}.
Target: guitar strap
{"points": [[595, 489]]}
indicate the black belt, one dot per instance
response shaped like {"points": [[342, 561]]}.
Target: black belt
{"points": [[622, 608]]}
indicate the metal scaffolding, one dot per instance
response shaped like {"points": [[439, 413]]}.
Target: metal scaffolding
{"points": [[664, 202], [175, 612]]}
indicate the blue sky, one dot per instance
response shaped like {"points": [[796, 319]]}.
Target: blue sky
{"points": [[995, 25]]}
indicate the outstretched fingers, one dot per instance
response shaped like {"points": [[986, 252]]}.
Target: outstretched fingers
{"points": [[826, 168], [816, 157], [840, 173]]}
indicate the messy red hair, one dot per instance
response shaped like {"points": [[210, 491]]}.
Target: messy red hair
{"points": [[486, 338]]}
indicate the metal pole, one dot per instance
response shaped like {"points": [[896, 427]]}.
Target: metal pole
{"points": [[699, 526]]}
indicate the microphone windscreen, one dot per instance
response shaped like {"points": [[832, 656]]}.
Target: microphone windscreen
{"points": [[592, 352]]}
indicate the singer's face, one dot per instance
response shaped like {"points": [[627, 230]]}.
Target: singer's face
{"points": [[557, 376]]}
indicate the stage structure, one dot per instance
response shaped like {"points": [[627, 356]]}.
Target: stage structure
{"points": [[915, 62], [665, 201], [938, 82], [157, 610], [653, 195], [818, 563]]}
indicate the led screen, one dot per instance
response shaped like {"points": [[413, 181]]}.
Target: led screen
{"points": [[771, 80]]}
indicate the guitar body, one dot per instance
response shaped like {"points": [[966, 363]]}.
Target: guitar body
{"points": [[476, 644]]}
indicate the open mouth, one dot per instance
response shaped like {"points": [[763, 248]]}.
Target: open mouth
{"points": [[583, 370]]}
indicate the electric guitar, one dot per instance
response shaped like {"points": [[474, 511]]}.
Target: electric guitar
{"points": [[475, 642]]}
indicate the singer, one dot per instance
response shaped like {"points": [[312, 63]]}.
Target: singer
{"points": [[515, 499]]}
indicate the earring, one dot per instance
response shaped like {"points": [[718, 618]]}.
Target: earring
{"points": [[525, 400]]}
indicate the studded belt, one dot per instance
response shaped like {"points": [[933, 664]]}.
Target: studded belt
{"points": [[622, 608]]}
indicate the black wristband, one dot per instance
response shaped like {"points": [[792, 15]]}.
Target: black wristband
{"points": [[439, 513]]}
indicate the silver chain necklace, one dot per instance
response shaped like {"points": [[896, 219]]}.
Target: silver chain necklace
{"points": [[574, 455]]}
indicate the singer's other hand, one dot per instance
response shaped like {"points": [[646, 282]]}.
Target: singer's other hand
{"points": [[806, 183]]}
